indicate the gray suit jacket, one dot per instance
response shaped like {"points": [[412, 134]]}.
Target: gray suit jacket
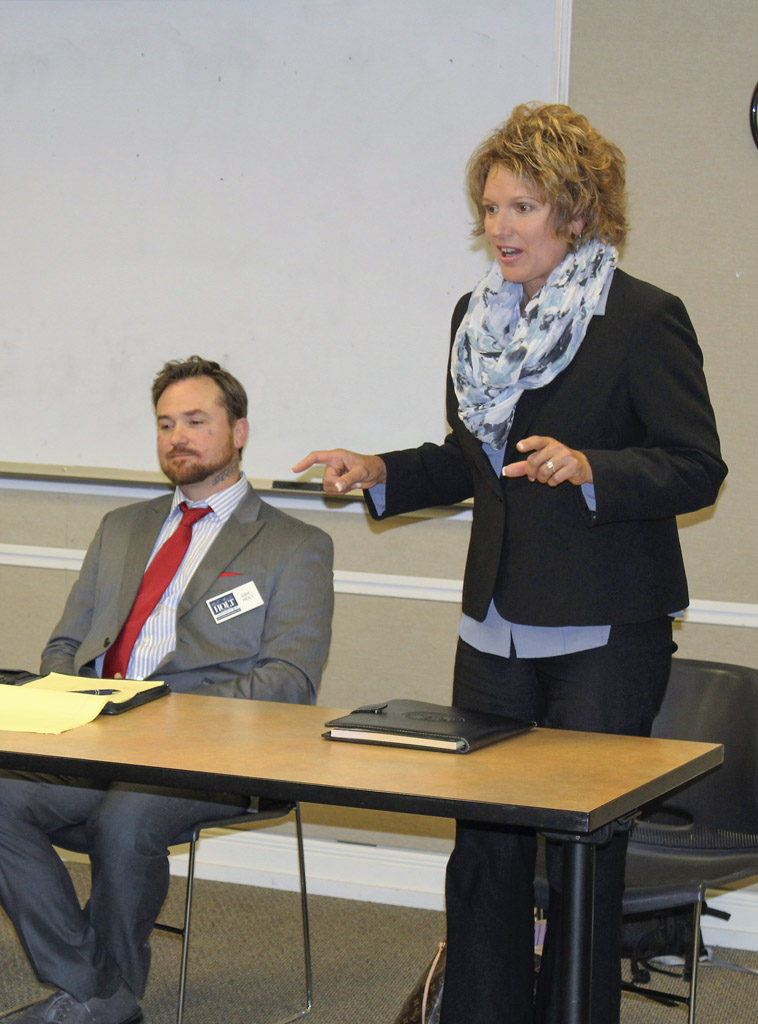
{"points": [[273, 652]]}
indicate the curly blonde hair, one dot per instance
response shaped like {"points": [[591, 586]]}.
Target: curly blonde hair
{"points": [[574, 168]]}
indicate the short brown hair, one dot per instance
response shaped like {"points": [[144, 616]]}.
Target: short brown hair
{"points": [[578, 171], [234, 397]]}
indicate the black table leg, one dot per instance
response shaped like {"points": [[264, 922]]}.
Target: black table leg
{"points": [[576, 928]]}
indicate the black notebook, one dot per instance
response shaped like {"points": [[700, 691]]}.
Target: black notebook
{"points": [[415, 723]]}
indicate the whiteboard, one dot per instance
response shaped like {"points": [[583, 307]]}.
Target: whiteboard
{"points": [[275, 184]]}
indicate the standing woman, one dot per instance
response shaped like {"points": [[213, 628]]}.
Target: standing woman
{"points": [[581, 425]]}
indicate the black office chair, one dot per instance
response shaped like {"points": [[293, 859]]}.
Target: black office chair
{"points": [[705, 835], [72, 838]]}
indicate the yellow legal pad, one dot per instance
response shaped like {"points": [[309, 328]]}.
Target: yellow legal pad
{"points": [[52, 704]]}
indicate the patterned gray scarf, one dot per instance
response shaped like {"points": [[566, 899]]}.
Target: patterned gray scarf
{"points": [[498, 352]]}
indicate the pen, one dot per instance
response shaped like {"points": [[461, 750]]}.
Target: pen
{"points": [[96, 693]]}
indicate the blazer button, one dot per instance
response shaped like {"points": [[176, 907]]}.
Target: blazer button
{"points": [[107, 642]]}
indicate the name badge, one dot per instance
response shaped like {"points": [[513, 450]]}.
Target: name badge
{"points": [[234, 602]]}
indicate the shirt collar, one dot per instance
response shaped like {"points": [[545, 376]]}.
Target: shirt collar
{"points": [[222, 502]]}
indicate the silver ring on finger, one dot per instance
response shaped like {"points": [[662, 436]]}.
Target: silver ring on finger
{"points": [[549, 465]]}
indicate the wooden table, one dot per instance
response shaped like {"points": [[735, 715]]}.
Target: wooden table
{"points": [[563, 782]]}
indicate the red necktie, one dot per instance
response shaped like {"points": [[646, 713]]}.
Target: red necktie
{"points": [[157, 577]]}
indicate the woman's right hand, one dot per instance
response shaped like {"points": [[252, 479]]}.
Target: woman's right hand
{"points": [[345, 470]]}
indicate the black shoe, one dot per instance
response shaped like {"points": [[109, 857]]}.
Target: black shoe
{"points": [[62, 1008]]}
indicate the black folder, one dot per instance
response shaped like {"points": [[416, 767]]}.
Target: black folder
{"points": [[415, 723], [125, 694]]}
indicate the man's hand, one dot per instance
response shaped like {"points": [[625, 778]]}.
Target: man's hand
{"points": [[345, 471], [550, 462]]}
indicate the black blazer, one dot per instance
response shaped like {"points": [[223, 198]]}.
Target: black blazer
{"points": [[635, 401]]}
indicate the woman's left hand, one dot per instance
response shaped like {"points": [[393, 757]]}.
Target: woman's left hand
{"points": [[550, 462]]}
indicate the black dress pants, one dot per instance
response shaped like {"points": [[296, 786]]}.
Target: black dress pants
{"points": [[489, 977]]}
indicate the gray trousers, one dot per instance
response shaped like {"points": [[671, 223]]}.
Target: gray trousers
{"points": [[89, 951]]}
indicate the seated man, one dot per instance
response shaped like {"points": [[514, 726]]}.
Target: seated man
{"points": [[161, 622]]}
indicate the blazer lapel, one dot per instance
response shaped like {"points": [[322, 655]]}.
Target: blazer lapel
{"points": [[472, 447], [138, 547], [239, 530], [527, 408]]}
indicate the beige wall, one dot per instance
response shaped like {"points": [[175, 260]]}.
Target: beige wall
{"points": [[670, 82]]}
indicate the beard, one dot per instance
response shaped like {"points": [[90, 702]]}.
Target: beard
{"points": [[181, 471]]}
